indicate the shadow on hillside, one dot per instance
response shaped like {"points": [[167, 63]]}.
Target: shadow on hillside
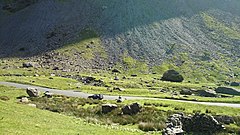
{"points": [[26, 32]]}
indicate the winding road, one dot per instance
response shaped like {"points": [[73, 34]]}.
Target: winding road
{"points": [[73, 93]]}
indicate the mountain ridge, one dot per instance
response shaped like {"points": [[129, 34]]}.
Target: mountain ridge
{"points": [[150, 31]]}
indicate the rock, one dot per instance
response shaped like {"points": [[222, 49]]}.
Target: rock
{"points": [[235, 84], [131, 109], [106, 108], [207, 93], [119, 89], [32, 105], [178, 124], [227, 90], [133, 75], [32, 92], [48, 94], [116, 71], [186, 92], [201, 123], [55, 68], [30, 64], [36, 75], [24, 100], [116, 78], [224, 119], [172, 76], [174, 125], [120, 99]]}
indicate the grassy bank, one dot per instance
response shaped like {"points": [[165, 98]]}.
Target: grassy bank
{"points": [[22, 119]]}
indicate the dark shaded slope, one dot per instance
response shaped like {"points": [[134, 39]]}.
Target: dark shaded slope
{"points": [[151, 30]]}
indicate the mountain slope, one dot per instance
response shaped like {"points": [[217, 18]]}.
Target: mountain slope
{"points": [[152, 30]]}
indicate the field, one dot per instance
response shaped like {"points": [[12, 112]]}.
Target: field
{"points": [[22, 119], [82, 115]]}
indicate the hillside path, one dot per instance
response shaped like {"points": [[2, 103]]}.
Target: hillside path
{"points": [[73, 93]]}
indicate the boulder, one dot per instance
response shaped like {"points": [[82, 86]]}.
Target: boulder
{"points": [[235, 84], [227, 90], [48, 94], [116, 71], [131, 109], [24, 100], [119, 89], [32, 92], [174, 125], [201, 123], [224, 119], [207, 93], [106, 108], [120, 99], [178, 124], [172, 76], [30, 64], [116, 78], [186, 92]]}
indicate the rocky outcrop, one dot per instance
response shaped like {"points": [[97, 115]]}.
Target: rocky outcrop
{"points": [[32, 92], [30, 64], [106, 108], [48, 94], [174, 125], [224, 119], [227, 90], [201, 123], [178, 124], [207, 93], [116, 71], [118, 89], [131, 109], [24, 100], [235, 84], [172, 76], [186, 92]]}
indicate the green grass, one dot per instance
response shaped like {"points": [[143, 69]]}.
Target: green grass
{"points": [[88, 46], [188, 107], [219, 27], [132, 87], [49, 82], [16, 118], [21, 119]]}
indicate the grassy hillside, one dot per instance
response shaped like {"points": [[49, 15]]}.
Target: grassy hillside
{"points": [[19, 118], [24, 120]]}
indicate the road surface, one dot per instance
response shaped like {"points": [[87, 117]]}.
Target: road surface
{"points": [[73, 93]]}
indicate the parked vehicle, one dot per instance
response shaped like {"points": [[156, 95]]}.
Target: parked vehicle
{"points": [[96, 96]]}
